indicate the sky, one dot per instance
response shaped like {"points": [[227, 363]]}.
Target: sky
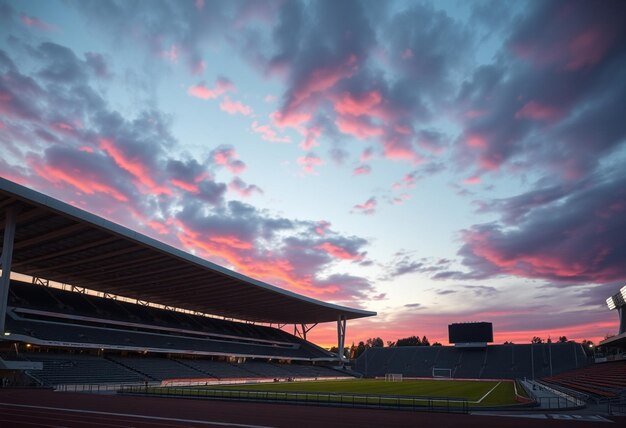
{"points": [[435, 162]]}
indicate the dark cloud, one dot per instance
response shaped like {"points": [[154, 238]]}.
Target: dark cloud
{"points": [[405, 263], [573, 237], [551, 99]]}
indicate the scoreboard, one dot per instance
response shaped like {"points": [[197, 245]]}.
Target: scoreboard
{"points": [[470, 332]]}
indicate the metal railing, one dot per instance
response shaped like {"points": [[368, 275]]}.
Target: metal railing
{"points": [[433, 404], [96, 388]]}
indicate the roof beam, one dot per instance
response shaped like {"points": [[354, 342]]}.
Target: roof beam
{"points": [[99, 257], [71, 250], [50, 235], [116, 267]]}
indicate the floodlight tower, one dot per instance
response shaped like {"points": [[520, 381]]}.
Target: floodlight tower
{"points": [[618, 301]]}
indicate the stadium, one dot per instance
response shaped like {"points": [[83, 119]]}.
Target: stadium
{"points": [[141, 320]]}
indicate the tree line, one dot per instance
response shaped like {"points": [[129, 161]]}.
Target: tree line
{"points": [[354, 351], [376, 342]]}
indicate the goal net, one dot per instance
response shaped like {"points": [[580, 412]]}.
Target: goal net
{"points": [[437, 372], [393, 377]]}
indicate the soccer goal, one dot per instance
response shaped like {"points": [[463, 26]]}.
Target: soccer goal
{"points": [[393, 377], [437, 372]]}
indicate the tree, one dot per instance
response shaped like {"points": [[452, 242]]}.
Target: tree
{"points": [[509, 343], [390, 344], [562, 339], [409, 341], [536, 339], [436, 344], [375, 342], [549, 340], [360, 348], [425, 341]]}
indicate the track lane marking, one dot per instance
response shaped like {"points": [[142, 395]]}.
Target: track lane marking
{"points": [[130, 415]]}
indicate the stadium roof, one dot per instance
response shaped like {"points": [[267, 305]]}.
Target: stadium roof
{"points": [[62, 243]]}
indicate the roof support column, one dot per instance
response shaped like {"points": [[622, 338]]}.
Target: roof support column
{"points": [[304, 329], [5, 262], [341, 336]]}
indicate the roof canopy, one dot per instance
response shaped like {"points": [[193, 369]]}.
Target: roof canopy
{"points": [[62, 243]]}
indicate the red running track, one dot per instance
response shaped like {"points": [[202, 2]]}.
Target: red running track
{"points": [[45, 408]]}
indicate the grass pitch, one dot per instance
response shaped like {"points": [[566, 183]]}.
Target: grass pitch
{"points": [[423, 392]]}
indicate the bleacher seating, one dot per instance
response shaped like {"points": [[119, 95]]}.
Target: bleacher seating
{"points": [[491, 362], [80, 369], [76, 368], [157, 368], [602, 380], [84, 319]]}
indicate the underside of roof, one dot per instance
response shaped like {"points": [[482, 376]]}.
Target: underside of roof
{"points": [[62, 243]]}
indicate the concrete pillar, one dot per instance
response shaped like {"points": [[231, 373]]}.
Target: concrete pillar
{"points": [[5, 262], [341, 336]]}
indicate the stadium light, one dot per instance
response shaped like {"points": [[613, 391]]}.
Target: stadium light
{"points": [[7, 333], [610, 303], [622, 291]]}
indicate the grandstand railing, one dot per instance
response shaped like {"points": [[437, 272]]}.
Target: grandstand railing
{"points": [[560, 400], [432, 404], [101, 388]]}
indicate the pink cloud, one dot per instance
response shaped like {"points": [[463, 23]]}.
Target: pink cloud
{"points": [[244, 190], [133, 166], [366, 155], [199, 4], [198, 68], [81, 181], [396, 148], [588, 48], [227, 157], [476, 140], [339, 252], [290, 118], [322, 79], [234, 107], [399, 200], [357, 127], [368, 207], [269, 134], [408, 180], [31, 21], [311, 136], [322, 227], [190, 187], [473, 114], [537, 111], [309, 162], [472, 180], [362, 170], [202, 91], [348, 104]]}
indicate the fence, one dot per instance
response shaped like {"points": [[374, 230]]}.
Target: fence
{"points": [[433, 404], [100, 388]]}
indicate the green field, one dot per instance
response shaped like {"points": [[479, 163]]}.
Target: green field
{"points": [[407, 392]]}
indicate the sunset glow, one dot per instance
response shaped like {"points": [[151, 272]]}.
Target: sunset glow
{"points": [[435, 162]]}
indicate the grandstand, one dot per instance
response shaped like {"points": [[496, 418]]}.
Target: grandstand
{"points": [[489, 362], [602, 380], [138, 310]]}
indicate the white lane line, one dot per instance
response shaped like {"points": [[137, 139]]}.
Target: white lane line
{"points": [[490, 391], [130, 415]]}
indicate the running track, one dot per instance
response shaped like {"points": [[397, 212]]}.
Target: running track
{"points": [[44, 408]]}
